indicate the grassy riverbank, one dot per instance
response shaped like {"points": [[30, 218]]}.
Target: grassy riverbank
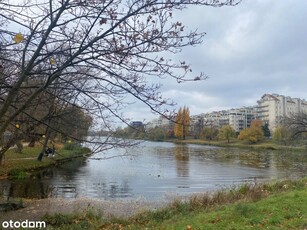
{"points": [[266, 144], [20, 164], [280, 205]]}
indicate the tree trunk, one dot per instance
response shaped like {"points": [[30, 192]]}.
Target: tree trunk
{"points": [[6, 147], [41, 154], [2, 156]]}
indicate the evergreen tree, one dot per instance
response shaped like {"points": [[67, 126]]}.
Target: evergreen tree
{"points": [[266, 130]]}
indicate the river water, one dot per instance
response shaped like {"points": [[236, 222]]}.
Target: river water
{"points": [[158, 170]]}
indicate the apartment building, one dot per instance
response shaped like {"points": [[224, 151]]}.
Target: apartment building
{"points": [[161, 122], [273, 107], [239, 118]]}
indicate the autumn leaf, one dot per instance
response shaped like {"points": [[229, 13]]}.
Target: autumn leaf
{"points": [[52, 61], [18, 38], [189, 227], [103, 21]]}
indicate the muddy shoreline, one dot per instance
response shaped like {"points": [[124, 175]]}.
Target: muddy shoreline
{"points": [[36, 209]]}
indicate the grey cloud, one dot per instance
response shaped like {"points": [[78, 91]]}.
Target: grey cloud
{"points": [[254, 48]]}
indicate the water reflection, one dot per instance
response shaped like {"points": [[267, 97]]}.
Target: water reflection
{"points": [[158, 169], [26, 189], [181, 156]]}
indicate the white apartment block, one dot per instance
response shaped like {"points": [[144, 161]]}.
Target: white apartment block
{"points": [[160, 122], [239, 118], [272, 107]]}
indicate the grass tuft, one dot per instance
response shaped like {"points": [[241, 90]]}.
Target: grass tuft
{"points": [[89, 219]]}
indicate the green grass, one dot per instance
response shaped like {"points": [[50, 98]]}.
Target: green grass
{"points": [[284, 211], [18, 164], [280, 205], [86, 220], [266, 144]]}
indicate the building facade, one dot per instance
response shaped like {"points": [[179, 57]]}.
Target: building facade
{"points": [[238, 119], [162, 122], [273, 107]]}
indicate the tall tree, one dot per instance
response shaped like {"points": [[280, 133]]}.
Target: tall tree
{"points": [[99, 51], [226, 133], [182, 126], [178, 128]]}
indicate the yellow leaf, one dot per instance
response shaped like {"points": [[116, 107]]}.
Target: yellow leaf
{"points": [[52, 61], [17, 126], [18, 38]]}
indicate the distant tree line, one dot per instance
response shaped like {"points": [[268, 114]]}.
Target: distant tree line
{"points": [[291, 129]]}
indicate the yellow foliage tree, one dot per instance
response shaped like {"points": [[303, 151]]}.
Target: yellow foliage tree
{"points": [[182, 126], [254, 133], [226, 133]]}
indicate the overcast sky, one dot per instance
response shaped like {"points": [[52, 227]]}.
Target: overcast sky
{"points": [[257, 47]]}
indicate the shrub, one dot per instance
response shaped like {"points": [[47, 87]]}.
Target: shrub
{"points": [[71, 146], [17, 173]]}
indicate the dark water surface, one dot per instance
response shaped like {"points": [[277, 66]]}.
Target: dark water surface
{"points": [[158, 170]]}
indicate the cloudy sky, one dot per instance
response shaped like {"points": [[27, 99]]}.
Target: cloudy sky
{"points": [[257, 47]]}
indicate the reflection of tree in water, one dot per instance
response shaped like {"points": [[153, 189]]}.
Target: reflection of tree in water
{"points": [[29, 189], [181, 155], [281, 160], [290, 159], [161, 152], [255, 159], [38, 186], [71, 168], [34, 187]]}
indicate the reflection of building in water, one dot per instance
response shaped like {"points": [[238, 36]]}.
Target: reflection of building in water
{"points": [[181, 155]]}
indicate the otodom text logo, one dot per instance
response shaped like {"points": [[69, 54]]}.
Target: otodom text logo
{"points": [[23, 224]]}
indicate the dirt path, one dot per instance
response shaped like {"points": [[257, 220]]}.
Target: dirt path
{"points": [[36, 209]]}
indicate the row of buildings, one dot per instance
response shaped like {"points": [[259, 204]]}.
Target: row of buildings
{"points": [[270, 109]]}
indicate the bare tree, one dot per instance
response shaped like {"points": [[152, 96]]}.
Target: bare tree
{"points": [[101, 50], [296, 124]]}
